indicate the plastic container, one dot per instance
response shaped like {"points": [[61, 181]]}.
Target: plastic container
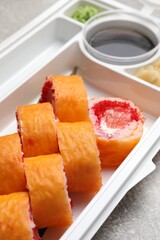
{"points": [[23, 86]]}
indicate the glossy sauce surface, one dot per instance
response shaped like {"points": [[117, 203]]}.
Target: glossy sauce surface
{"points": [[121, 42]]}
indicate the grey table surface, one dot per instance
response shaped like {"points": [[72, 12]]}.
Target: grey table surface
{"points": [[137, 216]]}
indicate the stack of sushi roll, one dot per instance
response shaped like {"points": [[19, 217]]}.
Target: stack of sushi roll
{"points": [[61, 145]]}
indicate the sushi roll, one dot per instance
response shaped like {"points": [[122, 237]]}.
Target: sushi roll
{"points": [[12, 177], [37, 129], [68, 96], [77, 144], [47, 187], [16, 221], [118, 126]]}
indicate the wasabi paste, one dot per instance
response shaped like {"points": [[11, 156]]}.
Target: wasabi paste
{"points": [[83, 13]]}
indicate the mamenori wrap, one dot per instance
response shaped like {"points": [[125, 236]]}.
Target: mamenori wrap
{"points": [[37, 129], [15, 220], [48, 191], [12, 177], [77, 144], [68, 96], [118, 126]]}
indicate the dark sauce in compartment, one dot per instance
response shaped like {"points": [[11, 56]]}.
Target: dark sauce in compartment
{"points": [[121, 42]]}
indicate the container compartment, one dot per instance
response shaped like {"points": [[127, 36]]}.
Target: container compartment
{"points": [[130, 72], [42, 43], [99, 81], [71, 10], [120, 37], [148, 73]]}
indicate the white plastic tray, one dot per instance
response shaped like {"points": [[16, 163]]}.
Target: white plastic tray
{"points": [[52, 44]]}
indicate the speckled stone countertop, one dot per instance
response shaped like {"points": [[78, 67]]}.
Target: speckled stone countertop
{"points": [[137, 216]]}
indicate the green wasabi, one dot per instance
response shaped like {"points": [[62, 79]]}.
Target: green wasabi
{"points": [[83, 13]]}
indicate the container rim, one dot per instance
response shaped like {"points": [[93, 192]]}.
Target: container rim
{"points": [[116, 59]]}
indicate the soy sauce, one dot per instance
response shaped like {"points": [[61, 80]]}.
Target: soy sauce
{"points": [[121, 42]]}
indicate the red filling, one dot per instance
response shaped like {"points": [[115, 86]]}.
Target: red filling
{"points": [[35, 232], [117, 114], [35, 235], [47, 94], [71, 203], [19, 133]]}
